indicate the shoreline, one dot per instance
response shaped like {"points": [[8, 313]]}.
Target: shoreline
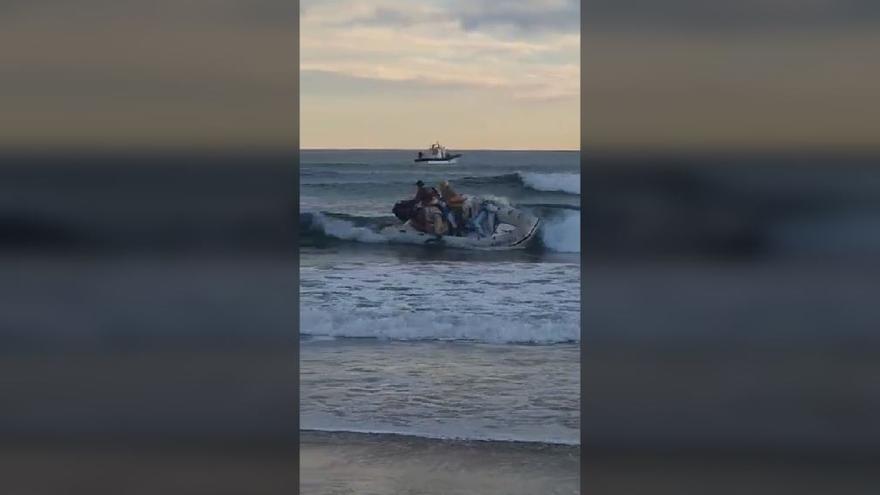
{"points": [[347, 462], [366, 436]]}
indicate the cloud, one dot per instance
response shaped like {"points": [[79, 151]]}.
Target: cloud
{"points": [[513, 18], [521, 16], [434, 44]]}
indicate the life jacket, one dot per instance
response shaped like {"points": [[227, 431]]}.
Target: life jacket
{"points": [[452, 198]]}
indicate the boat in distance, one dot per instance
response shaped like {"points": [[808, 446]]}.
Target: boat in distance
{"points": [[437, 155]]}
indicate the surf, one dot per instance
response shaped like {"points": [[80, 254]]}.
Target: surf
{"points": [[551, 182], [559, 234]]}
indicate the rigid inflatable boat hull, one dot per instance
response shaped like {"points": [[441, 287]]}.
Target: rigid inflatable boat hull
{"points": [[437, 161], [514, 231]]}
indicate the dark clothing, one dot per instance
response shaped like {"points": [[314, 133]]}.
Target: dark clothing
{"points": [[405, 210], [425, 196]]}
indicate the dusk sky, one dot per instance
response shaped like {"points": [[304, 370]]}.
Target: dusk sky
{"points": [[681, 74], [472, 74]]}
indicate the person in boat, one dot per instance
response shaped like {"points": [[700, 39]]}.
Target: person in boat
{"points": [[424, 196], [454, 204], [421, 155], [448, 194], [409, 209], [428, 216], [484, 219]]}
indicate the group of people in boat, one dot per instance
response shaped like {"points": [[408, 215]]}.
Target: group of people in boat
{"points": [[437, 151], [445, 212]]}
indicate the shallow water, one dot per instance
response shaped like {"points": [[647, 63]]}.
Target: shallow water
{"points": [[440, 343], [442, 389], [348, 195], [504, 302]]}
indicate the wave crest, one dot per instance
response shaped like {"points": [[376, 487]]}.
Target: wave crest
{"points": [[563, 234], [338, 228], [557, 234], [551, 182]]}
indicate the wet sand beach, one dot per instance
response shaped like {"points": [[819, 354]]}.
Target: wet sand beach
{"points": [[369, 464]]}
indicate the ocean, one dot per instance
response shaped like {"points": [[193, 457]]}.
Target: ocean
{"points": [[730, 307], [433, 342]]}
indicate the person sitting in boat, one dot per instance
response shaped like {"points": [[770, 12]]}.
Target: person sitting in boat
{"points": [[424, 196], [449, 195], [454, 203], [428, 216], [484, 221]]}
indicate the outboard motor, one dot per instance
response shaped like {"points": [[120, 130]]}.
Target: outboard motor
{"points": [[404, 210]]}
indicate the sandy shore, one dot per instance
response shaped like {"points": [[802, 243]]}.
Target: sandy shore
{"points": [[351, 463], [346, 467]]}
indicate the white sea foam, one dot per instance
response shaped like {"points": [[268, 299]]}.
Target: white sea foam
{"points": [[511, 303], [562, 182], [466, 435], [345, 230], [558, 235], [563, 235], [498, 200]]}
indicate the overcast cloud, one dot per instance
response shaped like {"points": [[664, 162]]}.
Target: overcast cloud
{"points": [[475, 73], [434, 43]]}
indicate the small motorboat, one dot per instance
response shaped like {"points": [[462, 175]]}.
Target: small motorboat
{"points": [[488, 226], [437, 155]]}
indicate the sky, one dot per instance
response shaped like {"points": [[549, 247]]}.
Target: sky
{"points": [[750, 75], [148, 74], [679, 74], [478, 74]]}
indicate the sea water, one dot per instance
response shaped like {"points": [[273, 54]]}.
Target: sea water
{"points": [[431, 341]]}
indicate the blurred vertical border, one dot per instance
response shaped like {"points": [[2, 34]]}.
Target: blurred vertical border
{"points": [[148, 206], [148, 215], [730, 238]]}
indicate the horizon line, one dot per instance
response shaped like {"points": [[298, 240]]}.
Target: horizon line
{"points": [[454, 149]]}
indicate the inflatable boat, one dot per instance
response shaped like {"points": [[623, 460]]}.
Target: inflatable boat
{"points": [[437, 155], [449, 160], [509, 228]]}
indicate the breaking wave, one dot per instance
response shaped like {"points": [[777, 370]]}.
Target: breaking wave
{"points": [[568, 183], [553, 182], [337, 227], [545, 182], [563, 235], [560, 234]]}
